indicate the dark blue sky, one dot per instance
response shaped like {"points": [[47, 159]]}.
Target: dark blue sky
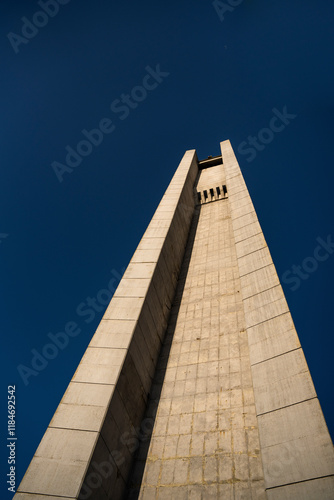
{"points": [[62, 242]]}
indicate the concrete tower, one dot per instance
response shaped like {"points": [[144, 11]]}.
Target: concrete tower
{"points": [[197, 344]]}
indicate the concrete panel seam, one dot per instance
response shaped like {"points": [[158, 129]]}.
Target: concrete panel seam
{"points": [[121, 319], [286, 406], [95, 383], [257, 269], [246, 254], [41, 495], [277, 355], [243, 189], [248, 223], [233, 176], [269, 319], [248, 237], [297, 482], [104, 347], [262, 291], [72, 428], [243, 215], [257, 250]]}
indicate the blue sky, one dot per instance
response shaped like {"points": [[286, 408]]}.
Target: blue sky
{"points": [[225, 76]]}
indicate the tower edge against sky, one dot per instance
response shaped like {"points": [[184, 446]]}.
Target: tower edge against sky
{"points": [[296, 448], [100, 413], [87, 449]]}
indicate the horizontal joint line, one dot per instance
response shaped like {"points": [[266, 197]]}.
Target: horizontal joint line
{"points": [[42, 494], [250, 253], [249, 223], [95, 383], [107, 347], [72, 428], [277, 356], [269, 319], [297, 482], [287, 406], [246, 254], [262, 291], [244, 215], [260, 232], [254, 271]]}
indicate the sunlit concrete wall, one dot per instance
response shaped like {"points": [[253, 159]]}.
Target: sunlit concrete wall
{"points": [[86, 451], [205, 441], [297, 451], [238, 415]]}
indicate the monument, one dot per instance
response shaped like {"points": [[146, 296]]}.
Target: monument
{"points": [[195, 384]]}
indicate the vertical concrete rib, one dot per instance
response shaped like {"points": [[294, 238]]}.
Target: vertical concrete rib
{"points": [[205, 440], [297, 451], [87, 449]]}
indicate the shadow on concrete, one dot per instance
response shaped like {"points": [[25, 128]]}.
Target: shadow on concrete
{"points": [[145, 432]]}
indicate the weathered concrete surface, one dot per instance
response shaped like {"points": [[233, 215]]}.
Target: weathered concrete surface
{"points": [[205, 441], [87, 449], [297, 451], [238, 416]]}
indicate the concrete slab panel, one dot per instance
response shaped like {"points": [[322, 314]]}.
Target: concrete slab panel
{"points": [[32, 496], [124, 308], [132, 287], [282, 381], [100, 365], [242, 211], [244, 220], [295, 444], [264, 313], [272, 338], [259, 281], [263, 298], [308, 457], [79, 417], [88, 394], [59, 463], [139, 270], [309, 490], [243, 203], [53, 478], [250, 245], [148, 243], [73, 445], [150, 255], [247, 231], [254, 261], [113, 333]]}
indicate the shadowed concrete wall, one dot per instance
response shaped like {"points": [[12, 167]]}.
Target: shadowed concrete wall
{"points": [[86, 450], [297, 451]]}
